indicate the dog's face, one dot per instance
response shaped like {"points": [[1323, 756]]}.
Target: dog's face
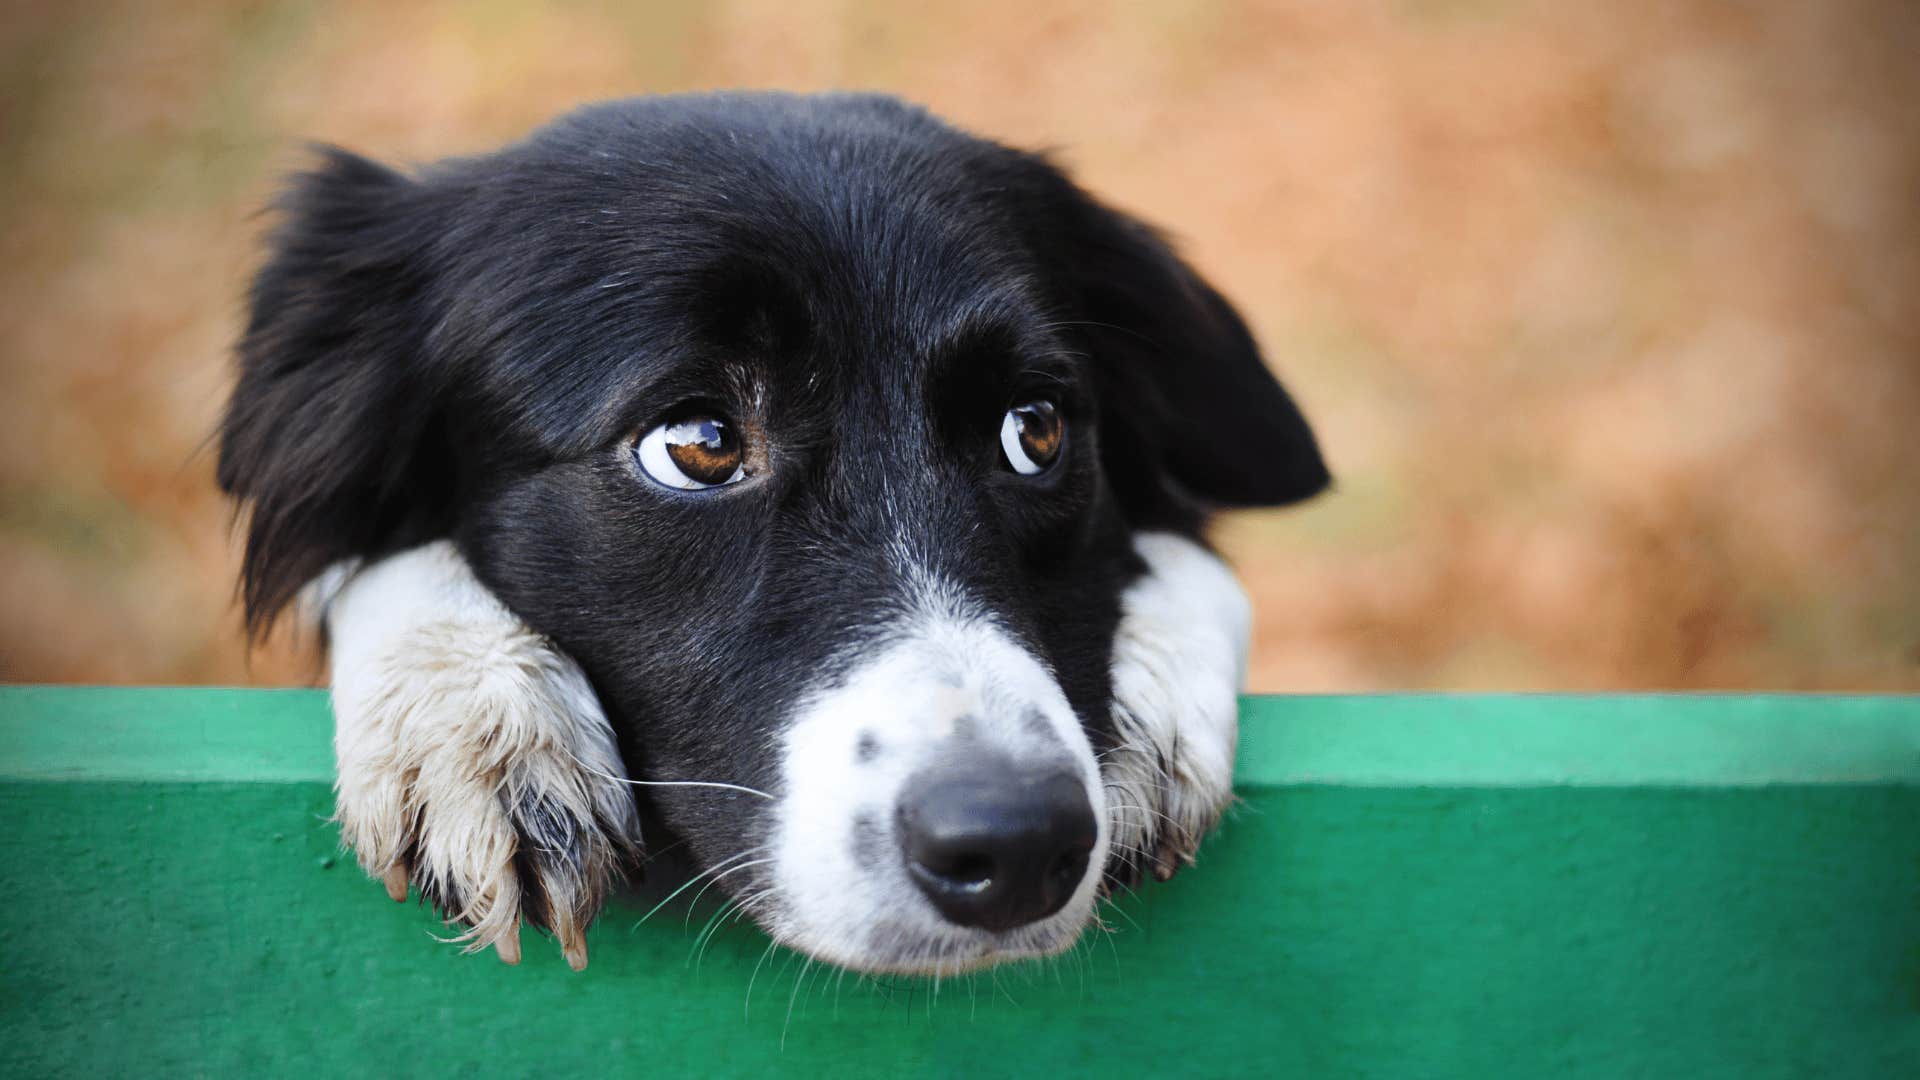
{"points": [[824, 438]]}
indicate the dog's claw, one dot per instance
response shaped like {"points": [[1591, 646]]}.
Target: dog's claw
{"points": [[1167, 861], [573, 942], [395, 879], [509, 947], [1169, 856]]}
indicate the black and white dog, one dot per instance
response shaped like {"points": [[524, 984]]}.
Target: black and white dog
{"points": [[834, 475]]}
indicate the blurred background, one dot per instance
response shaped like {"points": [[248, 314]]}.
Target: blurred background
{"points": [[1608, 314]]}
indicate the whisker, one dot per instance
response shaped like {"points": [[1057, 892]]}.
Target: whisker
{"points": [[738, 907], [791, 998], [1065, 323], [746, 1007], [1168, 818], [703, 889], [698, 783], [1160, 781], [668, 783], [651, 855], [697, 952], [1122, 912], [747, 901], [741, 907], [1131, 748], [715, 868]]}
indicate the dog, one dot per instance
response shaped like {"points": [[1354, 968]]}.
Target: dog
{"points": [[796, 481]]}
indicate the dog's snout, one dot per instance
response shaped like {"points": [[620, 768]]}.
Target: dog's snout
{"points": [[993, 845]]}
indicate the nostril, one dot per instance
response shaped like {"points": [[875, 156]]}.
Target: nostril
{"points": [[974, 872], [959, 872]]}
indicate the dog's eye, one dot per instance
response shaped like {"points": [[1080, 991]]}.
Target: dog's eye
{"points": [[693, 453], [1030, 437]]}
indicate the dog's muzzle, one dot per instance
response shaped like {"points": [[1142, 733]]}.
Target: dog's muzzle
{"points": [[941, 808]]}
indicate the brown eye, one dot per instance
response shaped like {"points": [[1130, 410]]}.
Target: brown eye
{"points": [[1030, 437], [691, 454]]}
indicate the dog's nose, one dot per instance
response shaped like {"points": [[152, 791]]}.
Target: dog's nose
{"points": [[995, 846]]}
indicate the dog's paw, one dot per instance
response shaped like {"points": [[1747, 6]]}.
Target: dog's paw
{"points": [[1179, 659], [474, 759]]}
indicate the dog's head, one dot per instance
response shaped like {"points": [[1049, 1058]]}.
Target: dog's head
{"points": [[835, 445]]}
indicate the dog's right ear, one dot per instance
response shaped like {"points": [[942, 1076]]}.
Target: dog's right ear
{"points": [[332, 422], [1192, 419]]}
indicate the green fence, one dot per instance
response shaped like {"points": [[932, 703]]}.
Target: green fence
{"points": [[1413, 886]]}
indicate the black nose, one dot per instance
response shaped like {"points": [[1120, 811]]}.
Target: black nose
{"points": [[994, 846]]}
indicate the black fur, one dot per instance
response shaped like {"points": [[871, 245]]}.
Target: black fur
{"points": [[465, 352]]}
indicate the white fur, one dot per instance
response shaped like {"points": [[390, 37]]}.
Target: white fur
{"points": [[449, 713], [945, 663], [1179, 660]]}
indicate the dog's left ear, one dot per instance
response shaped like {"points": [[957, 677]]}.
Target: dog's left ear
{"points": [[1184, 395]]}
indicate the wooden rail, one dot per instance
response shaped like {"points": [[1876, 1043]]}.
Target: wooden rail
{"points": [[1414, 886]]}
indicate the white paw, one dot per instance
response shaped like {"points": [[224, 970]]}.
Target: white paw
{"points": [[1179, 658], [474, 758]]}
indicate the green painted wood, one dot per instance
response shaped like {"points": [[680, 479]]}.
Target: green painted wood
{"points": [[1426, 886]]}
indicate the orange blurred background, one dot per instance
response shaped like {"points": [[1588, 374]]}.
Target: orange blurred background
{"points": [[1608, 314]]}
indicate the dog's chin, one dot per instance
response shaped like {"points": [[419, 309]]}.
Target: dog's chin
{"points": [[923, 947]]}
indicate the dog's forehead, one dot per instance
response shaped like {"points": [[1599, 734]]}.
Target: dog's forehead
{"points": [[838, 286], [805, 186], [847, 286]]}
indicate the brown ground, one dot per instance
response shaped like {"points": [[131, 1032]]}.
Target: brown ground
{"points": [[1609, 314]]}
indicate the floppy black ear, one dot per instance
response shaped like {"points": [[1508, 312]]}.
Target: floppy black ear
{"points": [[1185, 396], [328, 433]]}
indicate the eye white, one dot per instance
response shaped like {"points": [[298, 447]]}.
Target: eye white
{"points": [[1010, 445], [658, 464]]}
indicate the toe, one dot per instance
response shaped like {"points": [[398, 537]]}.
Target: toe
{"points": [[395, 880], [508, 946]]}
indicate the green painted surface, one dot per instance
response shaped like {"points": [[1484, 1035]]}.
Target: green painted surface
{"points": [[1431, 886]]}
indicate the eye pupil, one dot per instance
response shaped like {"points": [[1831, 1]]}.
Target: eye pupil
{"points": [[1031, 436], [1039, 431]]}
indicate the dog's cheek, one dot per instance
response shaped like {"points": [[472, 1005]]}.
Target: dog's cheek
{"points": [[646, 591]]}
